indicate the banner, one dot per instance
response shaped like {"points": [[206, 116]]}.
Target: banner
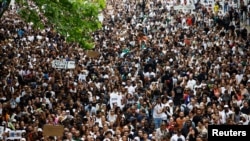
{"points": [[184, 8], [15, 135], [63, 64]]}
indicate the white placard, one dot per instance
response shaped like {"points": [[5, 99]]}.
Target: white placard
{"points": [[63, 64], [17, 134], [184, 8], [1, 132], [71, 65]]}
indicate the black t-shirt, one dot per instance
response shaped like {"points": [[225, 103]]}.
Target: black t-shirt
{"points": [[245, 110], [197, 119], [178, 92], [180, 139]]}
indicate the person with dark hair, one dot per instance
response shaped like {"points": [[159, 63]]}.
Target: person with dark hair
{"points": [[177, 93], [158, 109], [246, 108], [162, 131], [190, 63], [198, 116], [187, 127], [177, 136]]}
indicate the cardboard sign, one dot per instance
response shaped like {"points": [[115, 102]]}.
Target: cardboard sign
{"points": [[53, 130], [93, 54]]}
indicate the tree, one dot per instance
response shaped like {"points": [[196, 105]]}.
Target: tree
{"points": [[76, 20]]}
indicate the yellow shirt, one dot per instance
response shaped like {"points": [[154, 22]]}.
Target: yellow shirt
{"points": [[216, 8]]}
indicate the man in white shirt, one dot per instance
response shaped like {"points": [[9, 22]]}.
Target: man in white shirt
{"points": [[82, 76], [191, 82], [50, 93], [149, 75], [225, 114], [238, 77], [130, 87], [178, 136]]}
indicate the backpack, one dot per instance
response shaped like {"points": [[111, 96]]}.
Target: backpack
{"points": [[185, 109]]}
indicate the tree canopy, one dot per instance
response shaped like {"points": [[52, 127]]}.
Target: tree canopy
{"points": [[76, 20]]}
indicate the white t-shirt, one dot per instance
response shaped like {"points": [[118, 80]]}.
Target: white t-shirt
{"points": [[112, 118], [191, 83], [148, 74], [224, 115], [131, 89], [157, 113], [238, 78], [175, 137]]}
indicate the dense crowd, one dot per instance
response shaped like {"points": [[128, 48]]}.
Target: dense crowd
{"points": [[162, 75]]}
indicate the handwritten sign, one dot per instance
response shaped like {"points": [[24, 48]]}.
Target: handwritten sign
{"points": [[63, 64]]}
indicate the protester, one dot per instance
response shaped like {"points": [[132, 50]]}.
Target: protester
{"points": [[158, 70]]}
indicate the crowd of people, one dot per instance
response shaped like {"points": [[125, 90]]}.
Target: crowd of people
{"points": [[161, 75]]}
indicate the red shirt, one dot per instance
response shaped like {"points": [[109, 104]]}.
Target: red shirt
{"points": [[189, 21]]}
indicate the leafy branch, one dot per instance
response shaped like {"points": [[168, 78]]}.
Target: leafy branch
{"points": [[74, 19]]}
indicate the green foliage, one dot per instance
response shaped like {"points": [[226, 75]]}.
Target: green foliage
{"points": [[74, 19]]}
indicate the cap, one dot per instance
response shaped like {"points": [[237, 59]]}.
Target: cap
{"points": [[226, 106]]}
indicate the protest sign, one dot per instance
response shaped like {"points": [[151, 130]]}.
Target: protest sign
{"points": [[1, 132], [92, 54], [15, 134], [184, 8], [53, 130], [63, 64]]}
